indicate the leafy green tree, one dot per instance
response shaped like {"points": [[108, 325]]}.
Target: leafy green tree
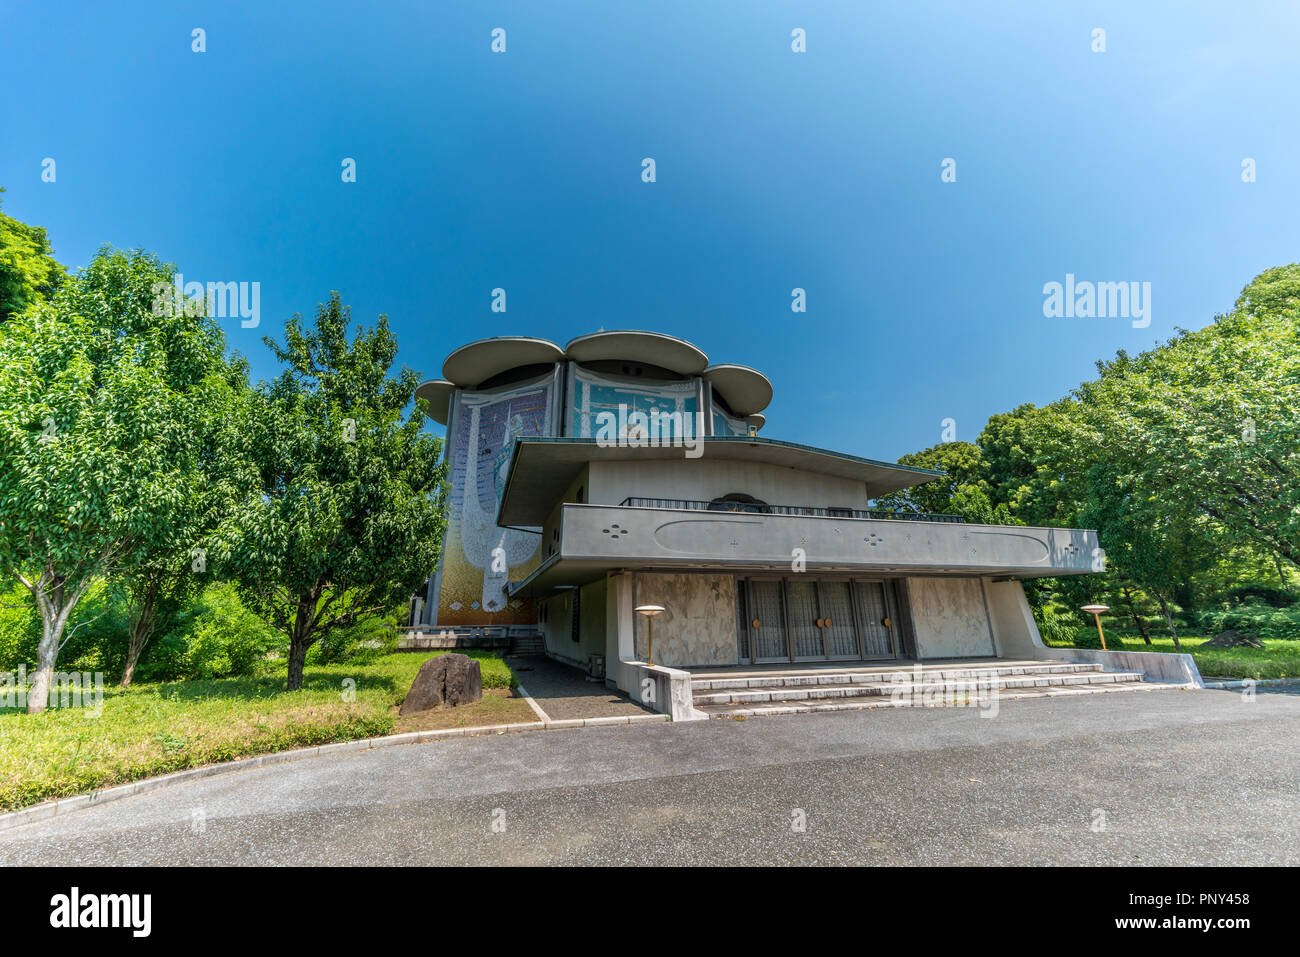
{"points": [[346, 516], [28, 271], [167, 574], [960, 463], [1007, 454], [1213, 419], [98, 399]]}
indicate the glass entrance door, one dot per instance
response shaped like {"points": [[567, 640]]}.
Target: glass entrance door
{"points": [[837, 620], [767, 624], [809, 620], [804, 620], [875, 627]]}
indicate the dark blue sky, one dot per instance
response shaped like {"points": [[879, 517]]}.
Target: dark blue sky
{"points": [[775, 170]]}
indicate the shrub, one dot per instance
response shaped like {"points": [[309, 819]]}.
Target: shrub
{"points": [[215, 637], [369, 638], [1252, 618], [1260, 594], [1057, 628]]}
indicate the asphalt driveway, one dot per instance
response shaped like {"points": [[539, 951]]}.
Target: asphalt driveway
{"points": [[1170, 777]]}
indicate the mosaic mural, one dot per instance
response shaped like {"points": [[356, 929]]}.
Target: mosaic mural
{"points": [[470, 591], [594, 394]]}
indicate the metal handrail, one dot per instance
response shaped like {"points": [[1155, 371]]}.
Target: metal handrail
{"points": [[812, 510]]}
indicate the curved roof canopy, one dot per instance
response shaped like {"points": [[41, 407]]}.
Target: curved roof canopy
{"points": [[479, 361], [746, 390], [758, 420], [655, 348], [438, 392]]}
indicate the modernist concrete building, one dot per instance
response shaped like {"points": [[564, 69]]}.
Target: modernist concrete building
{"points": [[624, 469]]}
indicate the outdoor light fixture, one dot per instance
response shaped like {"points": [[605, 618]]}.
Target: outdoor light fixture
{"points": [[650, 611], [1096, 613]]}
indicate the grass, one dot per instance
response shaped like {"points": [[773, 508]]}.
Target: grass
{"points": [[1279, 658], [153, 729]]}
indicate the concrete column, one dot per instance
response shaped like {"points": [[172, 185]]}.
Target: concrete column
{"points": [[619, 623]]}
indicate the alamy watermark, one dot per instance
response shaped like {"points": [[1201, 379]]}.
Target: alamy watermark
{"points": [[221, 300], [655, 429], [921, 690], [68, 689], [1098, 300]]}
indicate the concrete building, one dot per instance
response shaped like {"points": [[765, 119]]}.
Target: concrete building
{"points": [[624, 470]]}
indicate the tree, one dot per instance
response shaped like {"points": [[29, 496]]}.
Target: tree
{"points": [[960, 463], [346, 515], [1213, 415], [166, 574], [98, 396], [28, 271]]}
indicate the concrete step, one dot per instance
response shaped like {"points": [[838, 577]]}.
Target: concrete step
{"points": [[783, 679], [528, 646], [810, 706], [929, 684]]}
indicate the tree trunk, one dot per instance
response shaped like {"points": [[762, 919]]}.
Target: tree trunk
{"points": [[141, 627], [299, 641], [50, 600], [47, 652], [1137, 619], [136, 638], [1169, 620]]}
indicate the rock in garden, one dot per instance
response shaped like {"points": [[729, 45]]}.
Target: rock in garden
{"points": [[464, 684], [455, 679], [1234, 639]]}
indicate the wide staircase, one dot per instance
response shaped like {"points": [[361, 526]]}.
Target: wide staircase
{"points": [[753, 692]]}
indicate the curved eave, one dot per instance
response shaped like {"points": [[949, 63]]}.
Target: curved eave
{"points": [[438, 393], [654, 348], [479, 361], [757, 420], [747, 391]]}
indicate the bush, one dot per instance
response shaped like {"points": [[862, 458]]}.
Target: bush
{"points": [[1057, 628], [367, 639], [94, 633], [214, 637], [1252, 618], [1260, 595]]}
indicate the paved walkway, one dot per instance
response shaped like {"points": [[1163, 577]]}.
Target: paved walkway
{"points": [[1184, 777], [564, 692]]}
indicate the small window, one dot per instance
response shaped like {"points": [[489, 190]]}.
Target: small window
{"points": [[738, 502]]}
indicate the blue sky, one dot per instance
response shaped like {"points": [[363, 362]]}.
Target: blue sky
{"points": [[775, 170]]}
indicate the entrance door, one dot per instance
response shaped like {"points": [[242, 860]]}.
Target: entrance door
{"points": [[766, 624], [804, 620], [873, 613], [837, 620]]}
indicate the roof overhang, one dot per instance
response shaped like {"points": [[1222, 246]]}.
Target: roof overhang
{"points": [[655, 348], [747, 391], [438, 393], [479, 361], [541, 469]]}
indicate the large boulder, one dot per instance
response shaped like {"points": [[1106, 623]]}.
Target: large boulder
{"points": [[1233, 639], [454, 679]]}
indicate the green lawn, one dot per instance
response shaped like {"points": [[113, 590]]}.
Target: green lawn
{"points": [[152, 729], [1279, 658]]}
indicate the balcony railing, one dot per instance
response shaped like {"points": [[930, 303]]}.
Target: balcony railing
{"points": [[755, 508]]}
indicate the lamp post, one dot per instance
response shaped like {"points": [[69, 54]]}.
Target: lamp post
{"points": [[1096, 613], [650, 611]]}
